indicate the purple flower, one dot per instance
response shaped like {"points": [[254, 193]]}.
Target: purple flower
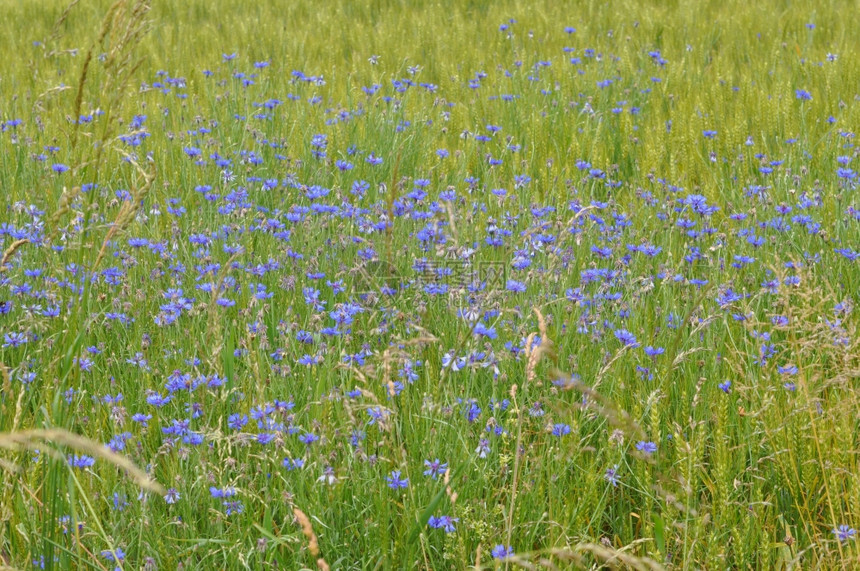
{"points": [[844, 532], [445, 522], [434, 468], [646, 447], [328, 476], [237, 421], [233, 507], [308, 438], [376, 414], [265, 437], [395, 481], [627, 338], [654, 351], [225, 493], [116, 555], [81, 461], [502, 552], [473, 412], [14, 339], [560, 429], [293, 464], [611, 475], [193, 438]]}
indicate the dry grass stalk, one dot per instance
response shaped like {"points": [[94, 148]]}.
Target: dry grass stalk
{"points": [[313, 544], [128, 211], [10, 251], [32, 439]]}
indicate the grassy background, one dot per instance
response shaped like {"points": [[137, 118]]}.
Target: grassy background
{"points": [[756, 477]]}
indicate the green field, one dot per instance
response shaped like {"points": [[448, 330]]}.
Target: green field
{"points": [[426, 285]]}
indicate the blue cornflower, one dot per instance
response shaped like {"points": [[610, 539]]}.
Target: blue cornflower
{"points": [[445, 522], [265, 437], [116, 555], [473, 412], [803, 95], [293, 464], [560, 429], [611, 475], [486, 331], [654, 351], [434, 468], [627, 338], [120, 501], [233, 507], [521, 180], [846, 252], [844, 532], [787, 370], [356, 438], [308, 438], [376, 414], [646, 447], [14, 339], [237, 421], [81, 461], [225, 493], [395, 481], [502, 552], [307, 360]]}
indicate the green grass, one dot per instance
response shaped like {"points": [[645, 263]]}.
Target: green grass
{"points": [[754, 476]]}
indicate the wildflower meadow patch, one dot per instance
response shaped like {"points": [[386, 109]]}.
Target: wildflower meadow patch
{"points": [[429, 285]]}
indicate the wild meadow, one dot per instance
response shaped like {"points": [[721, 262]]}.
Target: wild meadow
{"points": [[429, 285]]}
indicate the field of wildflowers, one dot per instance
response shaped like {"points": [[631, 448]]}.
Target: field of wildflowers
{"points": [[429, 285]]}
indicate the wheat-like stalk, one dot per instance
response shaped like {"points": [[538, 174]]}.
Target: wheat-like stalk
{"points": [[32, 439]]}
